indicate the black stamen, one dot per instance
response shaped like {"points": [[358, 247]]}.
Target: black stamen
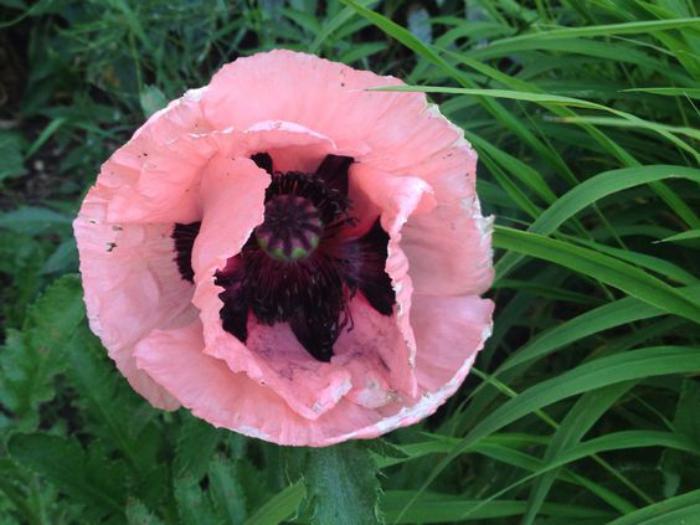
{"points": [[234, 313], [263, 161], [184, 236], [363, 262], [317, 331], [334, 172], [330, 203]]}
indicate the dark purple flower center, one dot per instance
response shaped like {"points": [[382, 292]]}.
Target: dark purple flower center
{"points": [[302, 265]]}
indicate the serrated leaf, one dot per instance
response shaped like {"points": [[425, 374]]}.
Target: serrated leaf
{"points": [[138, 514], [108, 402], [21, 258], [116, 414], [226, 490], [193, 505], [66, 465], [31, 359], [196, 443], [343, 486], [256, 486]]}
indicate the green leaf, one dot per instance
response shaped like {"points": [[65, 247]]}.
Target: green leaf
{"points": [[617, 368], [673, 511], [627, 366], [446, 508], [11, 146], [152, 99], [610, 442], [686, 418], [585, 412], [113, 412], [196, 442], [683, 236], [226, 489], [45, 135], [342, 484], [63, 259], [670, 91], [280, 507], [31, 359], [193, 505], [587, 193], [525, 173], [605, 317], [659, 266], [431, 55], [138, 514], [624, 440], [626, 277], [65, 464], [33, 220], [637, 26]]}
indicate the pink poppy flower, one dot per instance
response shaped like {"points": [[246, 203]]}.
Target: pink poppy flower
{"points": [[289, 255]]}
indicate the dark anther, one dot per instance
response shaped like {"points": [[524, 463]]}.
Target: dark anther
{"points": [[263, 161], [184, 236], [369, 272], [317, 331], [234, 313], [334, 172]]}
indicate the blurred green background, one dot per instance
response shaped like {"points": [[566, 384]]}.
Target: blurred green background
{"points": [[585, 406]]}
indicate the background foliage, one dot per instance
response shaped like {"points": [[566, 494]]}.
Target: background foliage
{"points": [[585, 405]]}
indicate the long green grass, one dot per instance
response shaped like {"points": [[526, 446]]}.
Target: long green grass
{"points": [[584, 408]]}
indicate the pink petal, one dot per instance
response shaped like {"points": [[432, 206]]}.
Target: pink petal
{"points": [[449, 330], [455, 239], [394, 199], [209, 388], [327, 97], [397, 131], [233, 200], [154, 176], [132, 285]]}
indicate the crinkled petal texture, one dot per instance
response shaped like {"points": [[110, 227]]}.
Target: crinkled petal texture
{"points": [[191, 163]]}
